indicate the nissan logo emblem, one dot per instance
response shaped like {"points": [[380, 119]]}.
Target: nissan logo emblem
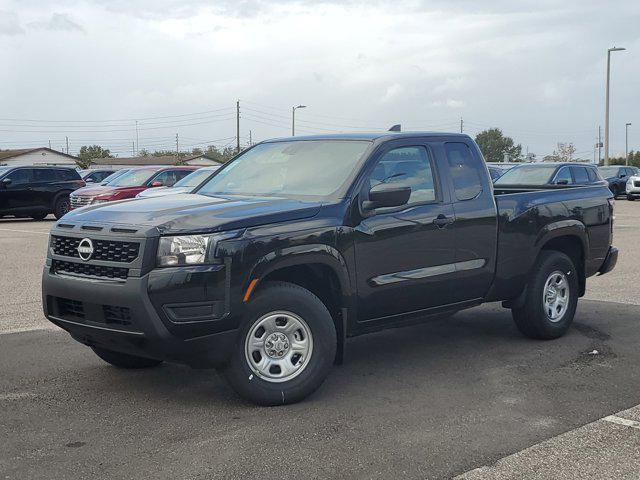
{"points": [[85, 249]]}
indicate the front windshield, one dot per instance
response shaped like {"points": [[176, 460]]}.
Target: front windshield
{"points": [[194, 179], [299, 168], [4, 170], [527, 175], [114, 175], [608, 172], [134, 178]]}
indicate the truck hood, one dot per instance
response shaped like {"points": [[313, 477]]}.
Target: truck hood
{"points": [[193, 213], [95, 190], [162, 191]]}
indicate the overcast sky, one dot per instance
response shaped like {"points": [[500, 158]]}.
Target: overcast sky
{"points": [[536, 69]]}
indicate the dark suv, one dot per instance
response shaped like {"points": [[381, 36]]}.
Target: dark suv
{"points": [[37, 191]]}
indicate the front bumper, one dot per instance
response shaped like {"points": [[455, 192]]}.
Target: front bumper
{"points": [[168, 314], [609, 262]]}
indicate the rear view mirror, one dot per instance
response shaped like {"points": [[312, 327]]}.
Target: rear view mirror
{"points": [[387, 195]]}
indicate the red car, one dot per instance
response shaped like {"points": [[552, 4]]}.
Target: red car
{"points": [[129, 184]]}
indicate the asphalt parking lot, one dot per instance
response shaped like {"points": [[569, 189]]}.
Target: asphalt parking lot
{"points": [[466, 396]]}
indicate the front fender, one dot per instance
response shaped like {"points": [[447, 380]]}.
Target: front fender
{"points": [[303, 255]]}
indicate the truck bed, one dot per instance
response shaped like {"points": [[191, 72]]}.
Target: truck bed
{"points": [[530, 215]]}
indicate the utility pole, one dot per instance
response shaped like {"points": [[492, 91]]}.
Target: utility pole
{"points": [[238, 126], [49, 143], [133, 149], [599, 144], [461, 124], [137, 140], [177, 147], [250, 140], [67, 138], [606, 120], [626, 143]]}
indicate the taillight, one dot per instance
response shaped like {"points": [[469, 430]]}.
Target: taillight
{"points": [[612, 205]]}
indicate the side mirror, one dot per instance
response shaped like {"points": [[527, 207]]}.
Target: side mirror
{"points": [[156, 183], [89, 180], [5, 182], [622, 175], [387, 195], [562, 182]]}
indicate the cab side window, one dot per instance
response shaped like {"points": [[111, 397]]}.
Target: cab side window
{"points": [[407, 166], [44, 175], [168, 178], [20, 176], [563, 177], [180, 174], [467, 182], [580, 175]]}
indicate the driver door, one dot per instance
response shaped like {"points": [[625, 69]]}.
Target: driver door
{"points": [[405, 255]]}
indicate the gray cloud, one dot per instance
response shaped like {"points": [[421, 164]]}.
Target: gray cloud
{"points": [[10, 23], [535, 68], [57, 22]]}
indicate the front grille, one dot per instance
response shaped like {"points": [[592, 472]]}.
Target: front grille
{"points": [[70, 308], [91, 313], [107, 250], [117, 315], [636, 183], [78, 201], [89, 270]]}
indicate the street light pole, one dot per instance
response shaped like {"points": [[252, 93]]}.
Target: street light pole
{"points": [[626, 143], [293, 119], [606, 121]]}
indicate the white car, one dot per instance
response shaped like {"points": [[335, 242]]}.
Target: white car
{"points": [[186, 185], [633, 187]]}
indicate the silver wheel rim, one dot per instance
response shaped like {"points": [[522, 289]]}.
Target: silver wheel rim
{"points": [[555, 297], [278, 346]]}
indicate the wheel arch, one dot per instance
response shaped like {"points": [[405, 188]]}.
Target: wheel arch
{"points": [[321, 269]]}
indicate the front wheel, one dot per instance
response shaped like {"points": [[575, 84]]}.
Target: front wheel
{"points": [[286, 346], [551, 298], [123, 360], [631, 198]]}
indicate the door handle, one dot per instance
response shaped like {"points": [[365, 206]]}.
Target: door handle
{"points": [[442, 220]]}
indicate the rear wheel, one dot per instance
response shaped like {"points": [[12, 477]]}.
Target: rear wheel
{"points": [[631, 198], [551, 298], [61, 206], [123, 360], [286, 346]]}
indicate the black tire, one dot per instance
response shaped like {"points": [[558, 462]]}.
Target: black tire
{"points": [[38, 216], [61, 206], [123, 360], [532, 319], [631, 198], [284, 297]]}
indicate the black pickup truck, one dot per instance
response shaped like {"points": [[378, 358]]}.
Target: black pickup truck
{"points": [[299, 243]]}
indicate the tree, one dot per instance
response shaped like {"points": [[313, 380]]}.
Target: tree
{"points": [[494, 146], [565, 152], [214, 153], [87, 153]]}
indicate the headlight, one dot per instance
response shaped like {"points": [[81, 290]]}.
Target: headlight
{"points": [[186, 250], [98, 200]]}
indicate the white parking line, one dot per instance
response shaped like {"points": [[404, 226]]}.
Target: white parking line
{"points": [[622, 421], [22, 231]]}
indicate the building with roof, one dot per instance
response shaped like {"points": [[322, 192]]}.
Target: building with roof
{"points": [[126, 162], [36, 156]]}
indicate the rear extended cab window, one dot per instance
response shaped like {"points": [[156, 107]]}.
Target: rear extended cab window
{"points": [[467, 182]]}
